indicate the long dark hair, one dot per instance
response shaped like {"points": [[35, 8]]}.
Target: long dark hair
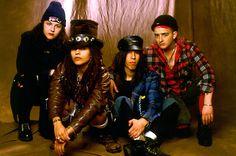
{"points": [[118, 67], [89, 79]]}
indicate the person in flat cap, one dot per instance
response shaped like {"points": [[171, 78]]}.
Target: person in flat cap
{"points": [[185, 76], [138, 102], [39, 53], [78, 94]]}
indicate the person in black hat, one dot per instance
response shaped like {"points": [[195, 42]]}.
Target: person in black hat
{"points": [[186, 77], [78, 94], [39, 52], [138, 102]]}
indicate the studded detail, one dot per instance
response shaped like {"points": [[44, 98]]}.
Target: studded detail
{"points": [[82, 38]]}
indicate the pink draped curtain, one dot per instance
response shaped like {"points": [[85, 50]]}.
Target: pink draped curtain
{"points": [[118, 18]]}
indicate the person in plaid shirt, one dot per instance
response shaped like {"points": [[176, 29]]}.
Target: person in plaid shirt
{"points": [[138, 103], [185, 76]]}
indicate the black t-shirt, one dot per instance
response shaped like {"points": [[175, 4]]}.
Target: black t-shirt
{"points": [[125, 89]]}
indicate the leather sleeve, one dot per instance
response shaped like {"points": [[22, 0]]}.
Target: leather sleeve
{"points": [[57, 97], [95, 103]]}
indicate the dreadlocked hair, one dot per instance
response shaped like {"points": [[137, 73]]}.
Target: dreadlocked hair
{"points": [[89, 79]]}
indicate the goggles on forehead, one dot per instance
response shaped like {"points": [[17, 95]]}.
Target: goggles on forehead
{"points": [[54, 19], [82, 38]]}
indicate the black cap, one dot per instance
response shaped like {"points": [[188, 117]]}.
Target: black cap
{"points": [[55, 13], [129, 43], [165, 20]]}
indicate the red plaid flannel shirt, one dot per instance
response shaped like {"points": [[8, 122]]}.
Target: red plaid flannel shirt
{"points": [[189, 62]]}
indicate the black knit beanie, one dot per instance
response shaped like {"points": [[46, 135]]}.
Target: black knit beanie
{"points": [[165, 20], [55, 13]]}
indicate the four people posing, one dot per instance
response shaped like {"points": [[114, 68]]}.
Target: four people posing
{"points": [[153, 87]]}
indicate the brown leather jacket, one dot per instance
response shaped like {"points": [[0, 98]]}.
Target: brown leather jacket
{"points": [[95, 103]]}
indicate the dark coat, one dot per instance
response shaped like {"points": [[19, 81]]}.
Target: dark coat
{"points": [[35, 57]]}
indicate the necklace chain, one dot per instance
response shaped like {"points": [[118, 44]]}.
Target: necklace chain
{"points": [[171, 57]]}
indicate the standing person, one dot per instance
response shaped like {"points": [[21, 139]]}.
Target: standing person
{"points": [[138, 103], [39, 52], [82, 79], [185, 76]]}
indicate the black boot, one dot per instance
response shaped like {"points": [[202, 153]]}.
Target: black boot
{"points": [[107, 138], [152, 148], [24, 132], [204, 133], [135, 148], [163, 128], [184, 131]]}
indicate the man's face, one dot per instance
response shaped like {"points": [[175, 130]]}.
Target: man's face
{"points": [[164, 36]]}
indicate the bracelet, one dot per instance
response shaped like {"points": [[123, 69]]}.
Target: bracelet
{"points": [[73, 131], [56, 120], [207, 104]]}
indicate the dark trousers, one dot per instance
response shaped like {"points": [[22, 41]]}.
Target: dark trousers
{"points": [[123, 113], [163, 126], [33, 92]]}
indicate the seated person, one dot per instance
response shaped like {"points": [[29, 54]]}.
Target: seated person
{"points": [[83, 79], [138, 103]]}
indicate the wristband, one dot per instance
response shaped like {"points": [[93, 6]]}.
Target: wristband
{"points": [[73, 131], [207, 104]]}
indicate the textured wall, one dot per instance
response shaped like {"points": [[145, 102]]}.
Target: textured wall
{"points": [[212, 26], [14, 20]]}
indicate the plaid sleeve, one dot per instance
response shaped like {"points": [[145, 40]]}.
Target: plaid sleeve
{"points": [[206, 71]]}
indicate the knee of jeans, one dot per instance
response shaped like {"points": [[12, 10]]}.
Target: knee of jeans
{"points": [[119, 101]]}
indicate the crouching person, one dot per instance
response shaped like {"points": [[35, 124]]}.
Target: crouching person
{"points": [[138, 103], [80, 79]]}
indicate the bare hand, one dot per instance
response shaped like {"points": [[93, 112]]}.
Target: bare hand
{"points": [[137, 127], [207, 115], [113, 88], [59, 148], [60, 132]]}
